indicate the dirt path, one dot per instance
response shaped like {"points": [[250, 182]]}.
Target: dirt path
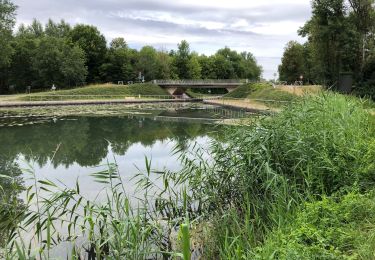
{"points": [[246, 104]]}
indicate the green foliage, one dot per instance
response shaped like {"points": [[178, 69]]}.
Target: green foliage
{"points": [[338, 227], [285, 187], [23, 63], [194, 67], [261, 91], [255, 179], [246, 90], [340, 40], [7, 21], [106, 90], [148, 63], [56, 62], [93, 43], [292, 63], [229, 64], [119, 63], [11, 206], [181, 60], [21, 72]]}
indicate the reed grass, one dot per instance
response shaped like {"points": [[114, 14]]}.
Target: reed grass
{"points": [[261, 185]]}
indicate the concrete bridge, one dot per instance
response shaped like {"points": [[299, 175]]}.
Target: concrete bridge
{"points": [[178, 87]]}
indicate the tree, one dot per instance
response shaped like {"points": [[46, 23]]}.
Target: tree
{"points": [[363, 16], [56, 62], [7, 21], [148, 63], [117, 62], [93, 43], [332, 38], [165, 66], [21, 72], [118, 44], [208, 67], [292, 63], [251, 70], [73, 66], [59, 30], [182, 59], [223, 67], [194, 68]]}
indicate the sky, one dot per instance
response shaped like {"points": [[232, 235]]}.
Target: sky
{"points": [[262, 27]]}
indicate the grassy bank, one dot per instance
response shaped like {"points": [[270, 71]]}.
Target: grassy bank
{"points": [[298, 185], [259, 90], [106, 91], [286, 177]]}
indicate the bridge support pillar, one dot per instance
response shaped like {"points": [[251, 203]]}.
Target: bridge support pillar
{"points": [[171, 91], [175, 91]]}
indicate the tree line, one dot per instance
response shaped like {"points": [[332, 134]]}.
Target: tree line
{"points": [[57, 53], [340, 40]]}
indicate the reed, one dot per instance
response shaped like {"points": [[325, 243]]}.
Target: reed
{"points": [[241, 191]]}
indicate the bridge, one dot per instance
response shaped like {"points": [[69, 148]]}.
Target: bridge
{"points": [[178, 87]]}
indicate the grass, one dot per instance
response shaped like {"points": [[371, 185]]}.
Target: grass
{"points": [[337, 227], [97, 92], [257, 180], [274, 97], [260, 91], [298, 185]]}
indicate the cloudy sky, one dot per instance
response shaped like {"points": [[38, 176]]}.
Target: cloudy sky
{"points": [[262, 27]]}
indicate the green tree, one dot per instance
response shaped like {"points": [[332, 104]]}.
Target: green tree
{"points": [[181, 60], [223, 67], [165, 66], [7, 21], [93, 43], [117, 62], [363, 16], [332, 38], [193, 67], [148, 63], [59, 30], [251, 70], [292, 63], [208, 67], [56, 62], [21, 71]]}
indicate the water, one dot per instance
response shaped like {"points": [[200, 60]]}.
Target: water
{"points": [[69, 144], [67, 148]]}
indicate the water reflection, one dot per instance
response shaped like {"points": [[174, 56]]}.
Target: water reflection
{"points": [[10, 204], [88, 140]]}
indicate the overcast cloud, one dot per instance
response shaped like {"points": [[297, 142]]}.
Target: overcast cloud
{"points": [[261, 27]]}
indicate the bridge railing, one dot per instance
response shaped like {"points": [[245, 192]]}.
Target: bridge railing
{"points": [[199, 81]]}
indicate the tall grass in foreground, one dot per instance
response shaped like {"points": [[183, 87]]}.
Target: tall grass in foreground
{"points": [[109, 228], [233, 196], [256, 180]]}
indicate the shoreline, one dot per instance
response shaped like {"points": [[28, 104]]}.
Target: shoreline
{"points": [[91, 102]]}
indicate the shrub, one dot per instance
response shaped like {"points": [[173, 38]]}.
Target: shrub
{"points": [[254, 180], [339, 227]]}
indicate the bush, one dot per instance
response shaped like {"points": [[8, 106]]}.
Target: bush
{"points": [[333, 228], [365, 89], [256, 178]]}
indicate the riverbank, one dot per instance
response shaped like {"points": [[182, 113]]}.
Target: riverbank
{"points": [[130, 100], [283, 188], [243, 104]]}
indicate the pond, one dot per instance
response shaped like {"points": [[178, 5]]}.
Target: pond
{"points": [[71, 143], [65, 146]]}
